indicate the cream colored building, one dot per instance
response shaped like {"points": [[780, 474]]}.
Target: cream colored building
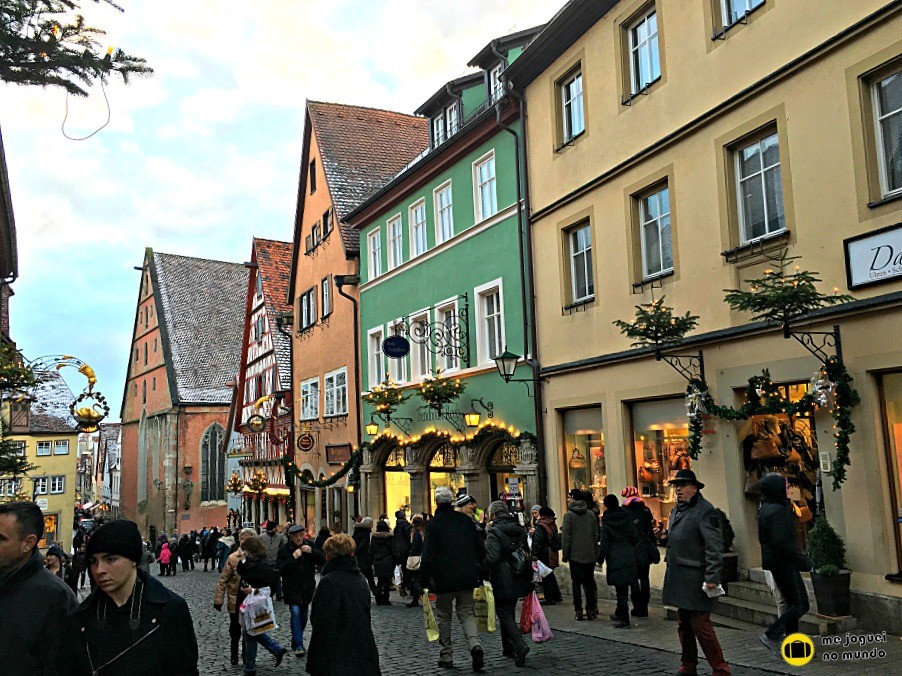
{"points": [[671, 147]]}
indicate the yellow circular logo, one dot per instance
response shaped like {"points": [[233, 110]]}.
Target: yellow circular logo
{"points": [[797, 650]]}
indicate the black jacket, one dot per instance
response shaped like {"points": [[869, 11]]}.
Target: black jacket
{"points": [[452, 554], [505, 535], [382, 553], [164, 619], [256, 572], [545, 530], [618, 546], [416, 544], [30, 640], [779, 544], [342, 642], [361, 537], [402, 540], [299, 574]]}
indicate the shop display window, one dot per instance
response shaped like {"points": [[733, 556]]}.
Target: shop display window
{"points": [[584, 451], [891, 390], [506, 485], [397, 483], [443, 471]]}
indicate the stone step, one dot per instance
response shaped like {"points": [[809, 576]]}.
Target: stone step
{"points": [[757, 575], [719, 621], [751, 591], [763, 614]]}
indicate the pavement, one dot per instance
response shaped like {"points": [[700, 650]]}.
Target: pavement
{"points": [[650, 646]]}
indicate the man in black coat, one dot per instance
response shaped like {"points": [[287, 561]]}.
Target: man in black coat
{"points": [[297, 561], [342, 641], [131, 619], [452, 567], [402, 548], [618, 550], [781, 555], [33, 601], [644, 521]]}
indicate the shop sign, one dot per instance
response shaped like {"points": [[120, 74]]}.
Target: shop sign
{"points": [[338, 455], [42, 504], [513, 487], [875, 257], [306, 442], [396, 347]]}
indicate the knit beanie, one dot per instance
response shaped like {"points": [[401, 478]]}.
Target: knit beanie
{"points": [[116, 537]]}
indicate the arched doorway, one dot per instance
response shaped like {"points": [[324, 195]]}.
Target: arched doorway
{"points": [[307, 502], [443, 471], [504, 483], [397, 483]]}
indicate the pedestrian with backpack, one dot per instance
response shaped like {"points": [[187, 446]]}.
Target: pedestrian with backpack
{"points": [[580, 549], [510, 566], [546, 543]]}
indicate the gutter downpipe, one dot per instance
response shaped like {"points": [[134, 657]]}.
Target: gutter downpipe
{"points": [[527, 286], [353, 280]]}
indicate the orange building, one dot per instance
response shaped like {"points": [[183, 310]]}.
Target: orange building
{"points": [[185, 347], [349, 152]]}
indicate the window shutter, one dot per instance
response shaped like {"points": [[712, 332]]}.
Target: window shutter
{"points": [[308, 243]]}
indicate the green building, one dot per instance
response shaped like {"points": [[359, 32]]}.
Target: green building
{"points": [[441, 267]]}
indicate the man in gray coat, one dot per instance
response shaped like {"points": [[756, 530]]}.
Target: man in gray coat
{"points": [[694, 562], [580, 548]]}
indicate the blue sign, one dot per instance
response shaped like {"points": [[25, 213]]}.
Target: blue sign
{"points": [[396, 347]]}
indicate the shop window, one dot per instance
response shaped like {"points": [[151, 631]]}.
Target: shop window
{"points": [[584, 451], [891, 394], [51, 524], [505, 484], [443, 471], [397, 483]]}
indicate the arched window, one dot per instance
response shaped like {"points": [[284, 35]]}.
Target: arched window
{"points": [[212, 464]]}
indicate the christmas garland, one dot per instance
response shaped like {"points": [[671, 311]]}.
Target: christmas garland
{"points": [[292, 471]]}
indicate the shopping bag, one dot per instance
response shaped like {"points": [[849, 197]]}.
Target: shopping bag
{"points": [[397, 578], [257, 612], [484, 607], [526, 612], [429, 618], [541, 630], [544, 571]]}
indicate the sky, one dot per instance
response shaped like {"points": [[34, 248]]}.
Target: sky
{"points": [[205, 154]]}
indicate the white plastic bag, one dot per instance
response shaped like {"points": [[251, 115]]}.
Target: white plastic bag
{"points": [[397, 579], [257, 613], [544, 571]]}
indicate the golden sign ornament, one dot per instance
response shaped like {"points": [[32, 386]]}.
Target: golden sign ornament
{"points": [[797, 649]]}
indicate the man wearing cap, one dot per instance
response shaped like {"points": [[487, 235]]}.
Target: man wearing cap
{"points": [[274, 541], [297, 561], [467, 505], [694, 562], [33, 601], [131, 619]]}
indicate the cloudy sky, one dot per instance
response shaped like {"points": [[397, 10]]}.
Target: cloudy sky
{"points": [[203, 155]]}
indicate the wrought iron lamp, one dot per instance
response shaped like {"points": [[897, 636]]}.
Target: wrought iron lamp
{"points": [[506, 362], [472, 417]]}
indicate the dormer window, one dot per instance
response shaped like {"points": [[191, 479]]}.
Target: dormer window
{"points": [[496, 89], [445, 124], [438, 130]]}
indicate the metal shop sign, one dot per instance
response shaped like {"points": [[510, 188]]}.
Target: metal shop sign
{"points": [[338, 455], [875, 257]]}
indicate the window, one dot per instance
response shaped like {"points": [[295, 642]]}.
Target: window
{"points": [[418, 229], [310, 399], [312, 176], [581, 275], [397, 368], [438, 130], [654, 226], [10, 487], [484, 178], [57, 484], [154, 344], [420, 356], [18, 448], [327, 222], [258, 328], [376, 358], [259, 284], [40, 486], [452, 120], [447, 315], [395, 243], [44, 447], [307, 309], [212, 463], [145, 353], [316, 234], [491, 323], [154, 384], [144, 391], [734, 10], [759, 191], [645, 60], [61, 447], [888, 121], [335, 386], [374, 247], [496, 87], [136, 355], [572, 106], [444, 220], [326, 296]]}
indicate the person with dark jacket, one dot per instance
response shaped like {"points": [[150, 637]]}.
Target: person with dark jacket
{"points": [[321, 537], [618, 550], [781, 555], [363, 532], [131, 619], [297, 562], [545, 547], [30, 642], [186, 552], [694, 561], [644, 521], [256, 574], [382, 558], [342, 641], [580, 548], [208, 548], [505, 535], [452, 568], [417, 535], [402, 548]]}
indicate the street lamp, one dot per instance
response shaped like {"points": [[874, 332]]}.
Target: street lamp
{"points": [[507, 364], [372, 428], [471, 417]]}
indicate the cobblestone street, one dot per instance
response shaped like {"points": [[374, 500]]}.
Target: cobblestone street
{"points": [[403, 648]]}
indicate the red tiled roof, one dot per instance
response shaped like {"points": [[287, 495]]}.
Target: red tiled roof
{"points": [[274, 268], [362, 149]]}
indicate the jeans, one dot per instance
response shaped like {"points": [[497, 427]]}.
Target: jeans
{"points": [[795, 597], [623, 609], [298, 624], [694, 624], [583, 577], [640, 592], [250, 649], [463, 600], [512, 643]]}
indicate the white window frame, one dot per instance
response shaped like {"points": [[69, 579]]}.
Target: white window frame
{"points": [[61, 443], [40, 485], [646, 221], [725, 5], [310, 398], [573, 125], [440, 210], [587, 263], [11, 487], [307, 309], [325, 295], [740, 179], [447, 362], [636, 50], [879, 116], [397, 368], [481, 293], [375, 358], [496, 86], [492, 183], [41, 445], [419, 242], [374, 252], [439, 134], [420, 355], [335, 395], [57, 484], [394, 233], [452, 120]]}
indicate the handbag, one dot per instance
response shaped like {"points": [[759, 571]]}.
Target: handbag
{"points": [[802, 512], [484, 607], [413, 562], [765, 448], [645, 476], [257, 613], [752, 484]]}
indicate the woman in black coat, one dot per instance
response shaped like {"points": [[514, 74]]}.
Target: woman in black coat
{"points": [[362, 533], [417, 540], [780, 554], [256, 574], [382, 557], [618, 549], [342, 642], [644, 521], [545, 547]]}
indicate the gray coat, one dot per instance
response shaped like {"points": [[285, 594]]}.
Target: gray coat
{"points": [[580, 534], [694, 555]]}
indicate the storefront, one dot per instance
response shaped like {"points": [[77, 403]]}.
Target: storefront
{"points": [[397, 483], [890, 387], [504, 482], [583, 451], [443, 471]]}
